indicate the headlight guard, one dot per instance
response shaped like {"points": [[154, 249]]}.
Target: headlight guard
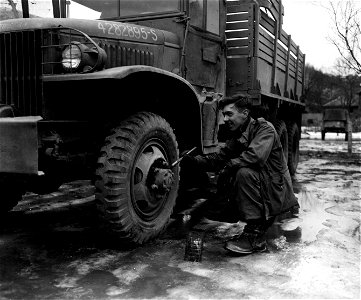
{"points": [[69, 50]]}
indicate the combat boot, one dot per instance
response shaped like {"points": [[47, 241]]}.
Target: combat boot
{"points": [[251, 240]]}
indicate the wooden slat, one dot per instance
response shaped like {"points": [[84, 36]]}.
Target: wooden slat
{"points": [[281, 67], [276, 12], [265, 49], [300, 70], [237, 17], [281, 52], [236, 8], [301, 57], [266, 43], [239, 2], [281, 61], [292, 62], [237, 25], [292, 70], [237, 51], [264, 56], [265, 35], [281, 58], [267, 22], [293, 47], [237, 34], [237, 43], [283, 37]]}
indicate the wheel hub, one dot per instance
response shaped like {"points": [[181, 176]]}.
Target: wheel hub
{"points": [[152, 179], [160, 179]]}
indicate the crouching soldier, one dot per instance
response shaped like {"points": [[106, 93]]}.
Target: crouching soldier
{"points": [[253, 173]]}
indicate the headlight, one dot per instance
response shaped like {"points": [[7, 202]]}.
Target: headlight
{"points": [[71, 57], [78, 57]]}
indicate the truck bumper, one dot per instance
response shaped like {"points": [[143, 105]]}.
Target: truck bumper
{"points": [[19, 145]]}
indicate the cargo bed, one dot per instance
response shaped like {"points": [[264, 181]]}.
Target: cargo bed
{"points": [[255, 62]]}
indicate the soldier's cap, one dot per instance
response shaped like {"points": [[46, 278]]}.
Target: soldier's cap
{"points": [[240, 101]]}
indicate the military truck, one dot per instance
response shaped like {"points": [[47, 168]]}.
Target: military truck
{"points": [[334, 120], [118, 98]]}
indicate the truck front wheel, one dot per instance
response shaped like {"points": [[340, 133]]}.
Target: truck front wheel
{"points": [[136, 192]]}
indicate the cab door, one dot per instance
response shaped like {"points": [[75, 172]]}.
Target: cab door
{"points": [[205, 59]]}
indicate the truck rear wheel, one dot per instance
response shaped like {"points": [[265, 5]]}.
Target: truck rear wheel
{"points": [[136, 193], [293, 147], [281, 129]]}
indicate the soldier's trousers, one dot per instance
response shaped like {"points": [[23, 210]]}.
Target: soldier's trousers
{"points": [[247, 195]]}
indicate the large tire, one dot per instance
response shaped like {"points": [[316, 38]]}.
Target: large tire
{"points": [[281, 129], [10, 194], [293, 147], [125, 195]]}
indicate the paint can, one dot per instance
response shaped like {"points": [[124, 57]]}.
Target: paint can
{"points": [[194, 246]]}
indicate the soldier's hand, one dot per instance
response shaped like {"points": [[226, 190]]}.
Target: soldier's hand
{"points": [[227, 170], [225, 177]]}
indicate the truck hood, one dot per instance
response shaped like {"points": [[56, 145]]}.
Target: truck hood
{"points": [[95, 28]]}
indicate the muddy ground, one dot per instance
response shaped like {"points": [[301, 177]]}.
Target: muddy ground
{"points": [[51, 247]]}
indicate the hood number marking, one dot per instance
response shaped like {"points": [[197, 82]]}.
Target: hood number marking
{"points": [[127, 31]]}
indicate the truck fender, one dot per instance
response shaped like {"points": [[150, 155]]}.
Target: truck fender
{"points": [[115, 73], [186, 113]]}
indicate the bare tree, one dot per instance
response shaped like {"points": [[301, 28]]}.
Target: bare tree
{"points": [[346, 19], [14, 9]]}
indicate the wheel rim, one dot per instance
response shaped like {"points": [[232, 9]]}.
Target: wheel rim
{"points": [[146, 205]]}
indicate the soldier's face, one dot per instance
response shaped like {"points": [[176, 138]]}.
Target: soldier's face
{"points": [[233, 118]]}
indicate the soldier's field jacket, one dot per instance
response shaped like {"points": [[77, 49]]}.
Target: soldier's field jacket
{"points": [[258, 147]]}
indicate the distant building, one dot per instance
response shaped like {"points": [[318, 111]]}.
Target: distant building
{"points": [[355, 112], [340, 102], [312, 119]]}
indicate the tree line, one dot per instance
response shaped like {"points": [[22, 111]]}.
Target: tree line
{"points": [[321, 87]]}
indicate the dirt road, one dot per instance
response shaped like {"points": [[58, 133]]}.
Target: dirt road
{"points": [[51, 248]]}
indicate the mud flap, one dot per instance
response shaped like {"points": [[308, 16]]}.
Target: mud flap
{"points": [[19, 145]]}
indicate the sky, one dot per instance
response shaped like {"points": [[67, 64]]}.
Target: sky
{"points": [[310, 26]]}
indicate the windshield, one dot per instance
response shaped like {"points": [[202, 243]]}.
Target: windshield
{"points": [[91, 9], [109, 9]]}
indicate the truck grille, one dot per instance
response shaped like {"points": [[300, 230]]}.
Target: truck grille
{"points": [[27, 56], [20, 71], [125, 56]]}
